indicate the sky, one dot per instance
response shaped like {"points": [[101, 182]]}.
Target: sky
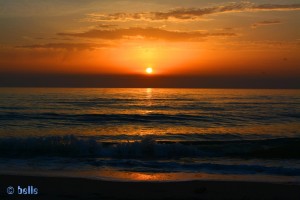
{"points": [[191, 43]]}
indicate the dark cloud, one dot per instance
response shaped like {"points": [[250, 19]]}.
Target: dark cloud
{"points": [[193, 13], [265, 23], [276, 7], [106, 25], [148, 33], [66, 46]]}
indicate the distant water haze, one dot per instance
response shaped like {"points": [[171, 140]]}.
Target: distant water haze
{"points": [[254, 81]]}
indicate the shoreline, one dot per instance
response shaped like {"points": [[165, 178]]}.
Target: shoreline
{"points": [[62, 188]]}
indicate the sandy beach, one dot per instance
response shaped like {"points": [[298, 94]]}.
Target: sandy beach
{"points": [[60, 188]]}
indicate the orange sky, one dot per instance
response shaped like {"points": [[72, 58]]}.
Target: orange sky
{"points": [[172, 37]]}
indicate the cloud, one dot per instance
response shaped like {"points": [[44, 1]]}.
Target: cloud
{"points": [[265, 23], [192, 13], [147, 33], [106, 25], [279, 7], [65, 46]]}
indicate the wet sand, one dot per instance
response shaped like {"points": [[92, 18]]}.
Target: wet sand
{"points": [[59, 188]]}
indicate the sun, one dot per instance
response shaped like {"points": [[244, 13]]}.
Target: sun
{"points": [[149, 70]]}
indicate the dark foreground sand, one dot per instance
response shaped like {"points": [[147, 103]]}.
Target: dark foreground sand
{"points": [[76, 188]]}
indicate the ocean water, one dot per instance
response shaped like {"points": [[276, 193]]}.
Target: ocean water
{"points": [[151, 134]]}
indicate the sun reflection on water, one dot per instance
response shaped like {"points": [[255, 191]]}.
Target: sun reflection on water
{"points": [[148, 101], [149, 93]]}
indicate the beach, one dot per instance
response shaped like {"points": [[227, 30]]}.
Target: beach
{"points": [[61, 188]]}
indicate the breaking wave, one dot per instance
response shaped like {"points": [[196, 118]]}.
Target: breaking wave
{"points": [[148, 147]]}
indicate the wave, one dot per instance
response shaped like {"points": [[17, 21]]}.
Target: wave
{"points": [[148, 148], [117, 118], [184, 137], [206, 167], [205, 120]]}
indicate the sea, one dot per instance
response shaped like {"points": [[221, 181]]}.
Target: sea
{"points": [[151, 134]]}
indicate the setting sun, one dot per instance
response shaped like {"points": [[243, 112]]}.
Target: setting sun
{"points": [[149, 70]]}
